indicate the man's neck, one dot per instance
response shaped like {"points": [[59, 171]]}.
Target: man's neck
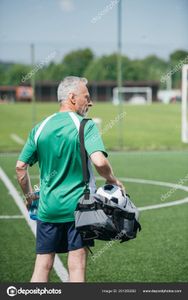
{"points": [[64, 108]]}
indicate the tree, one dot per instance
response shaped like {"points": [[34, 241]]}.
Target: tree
{"points": [[155, 67], [4, 67], [178, 55], [105, 68], [177, 59], [82, 63], [75, 62], [15, 74]]}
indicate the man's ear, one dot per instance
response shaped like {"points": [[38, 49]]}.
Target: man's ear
{"points": [[72, 98]]}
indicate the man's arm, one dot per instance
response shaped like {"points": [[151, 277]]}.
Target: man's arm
{"points": [[24, 181], [104, 169]]}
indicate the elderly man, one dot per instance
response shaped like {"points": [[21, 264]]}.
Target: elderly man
{"points": [[54, 144]]}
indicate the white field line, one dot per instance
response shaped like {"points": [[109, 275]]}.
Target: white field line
{"points": [[137, 152], [138, 180], [117, 152], [168, 204], [9, 154], [58, 266], [31, 176], [122, 152], [152, 182], [17, 139], [12, 217]]}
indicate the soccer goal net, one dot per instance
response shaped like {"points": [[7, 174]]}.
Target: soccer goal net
{"points": [[184, 104], [132, 95]]}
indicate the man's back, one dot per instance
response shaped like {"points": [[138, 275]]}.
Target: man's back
{"points": [[56, 147]]}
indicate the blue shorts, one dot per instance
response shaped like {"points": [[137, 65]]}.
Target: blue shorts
{"points": [[59, 238]]}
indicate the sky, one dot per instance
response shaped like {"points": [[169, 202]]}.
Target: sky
{"points": [[57, 27]]}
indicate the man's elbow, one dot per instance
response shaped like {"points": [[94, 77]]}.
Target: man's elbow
{"points": [[100, 164], [98, 159], [21, 167]]}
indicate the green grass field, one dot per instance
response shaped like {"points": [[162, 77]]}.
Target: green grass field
{"points": [[151, 127], [159, 253]]}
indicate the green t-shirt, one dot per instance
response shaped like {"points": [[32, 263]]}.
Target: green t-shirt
{"points": [[54, 143]]}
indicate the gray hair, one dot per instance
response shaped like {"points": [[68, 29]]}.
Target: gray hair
{"points": [[69, 85]]}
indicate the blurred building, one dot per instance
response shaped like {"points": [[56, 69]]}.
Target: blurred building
{"points": [[47, 90]]}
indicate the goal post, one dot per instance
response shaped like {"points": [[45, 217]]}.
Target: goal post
{"points": [[184, 105], [135, 95]]}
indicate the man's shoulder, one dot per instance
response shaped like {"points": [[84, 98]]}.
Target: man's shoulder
{"points": [[38, 128], [45, 120]]}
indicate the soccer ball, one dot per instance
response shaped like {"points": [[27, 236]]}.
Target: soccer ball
{"points": [[114, 193]]}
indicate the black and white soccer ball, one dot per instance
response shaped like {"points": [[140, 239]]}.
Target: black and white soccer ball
{"points": [[114, 193]]}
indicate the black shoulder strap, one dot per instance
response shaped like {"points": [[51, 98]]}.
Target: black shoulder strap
{"points": [[84, 156]]}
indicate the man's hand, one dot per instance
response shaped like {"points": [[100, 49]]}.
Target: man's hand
{"points": [[118, 183], [29, 198]]}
